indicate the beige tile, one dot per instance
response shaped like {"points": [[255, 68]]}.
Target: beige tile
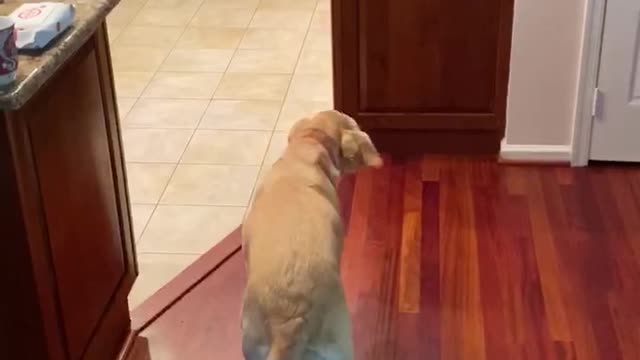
{"points": [[131, 84], [155, 271], [197, 60], [189, 229], [140, 215], [173, 4], [182, 85], [279, 19], [263, 171], [167, 113], [227, 147], [235, 4], [259, 182], [147, 181], [113, 31], [122, 15], [289, 4], [124, 106], [314, 62], [276, 148], [179, 16], [133, 3], [211, 185], [241, 115], [264, 61], [238, 86], [135, 58], [321, 20], [311, 88], [207, 38], [324, 5], [293, 111], [317, 40], [266, 167], [150, 36], [258, 38], [220, 17], [155, 145]]}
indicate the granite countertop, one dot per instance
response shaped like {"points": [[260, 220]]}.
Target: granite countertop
{"points": [[35, 70]]}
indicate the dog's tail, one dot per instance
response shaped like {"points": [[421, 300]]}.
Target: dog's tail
{"points": [[288, 340]]}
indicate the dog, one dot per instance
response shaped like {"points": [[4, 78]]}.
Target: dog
{"points": [[294, 306]]}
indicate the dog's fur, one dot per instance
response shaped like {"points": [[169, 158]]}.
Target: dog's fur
{"points": [[294, 305]]}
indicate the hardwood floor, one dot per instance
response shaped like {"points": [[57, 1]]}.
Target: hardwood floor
{"points": [[451, 258]]}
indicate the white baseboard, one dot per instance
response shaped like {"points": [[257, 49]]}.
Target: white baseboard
{"points": [[535, 153]]}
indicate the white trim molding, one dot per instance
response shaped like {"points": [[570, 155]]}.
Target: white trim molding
{"points": [[535, 153], [587, 81]]}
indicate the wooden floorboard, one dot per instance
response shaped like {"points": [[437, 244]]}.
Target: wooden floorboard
{"points": [[460, 259]]}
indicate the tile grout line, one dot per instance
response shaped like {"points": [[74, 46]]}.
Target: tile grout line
{"points": [[274, 130], [235, 51], [127, 23], [284, 100], [112, 43], [137, 99], [144, 229], [173, 47], [211, 99], [123, 120], [157, 70], [175, 43]]}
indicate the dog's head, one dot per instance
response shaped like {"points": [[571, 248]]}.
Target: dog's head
{"points": [[350, 147]]}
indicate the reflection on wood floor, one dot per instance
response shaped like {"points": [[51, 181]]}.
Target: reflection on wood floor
{"points": [[451, 258]]}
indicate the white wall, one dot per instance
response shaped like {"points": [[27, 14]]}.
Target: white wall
{"points": [[545, 62]]}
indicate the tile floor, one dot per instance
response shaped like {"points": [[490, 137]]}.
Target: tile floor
{"points": [[207, 90]]}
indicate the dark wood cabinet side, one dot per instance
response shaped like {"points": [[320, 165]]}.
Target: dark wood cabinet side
{"points": [[66, 232]]}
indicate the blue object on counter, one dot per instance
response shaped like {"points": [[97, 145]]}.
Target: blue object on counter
{"points": [[39, 23]]}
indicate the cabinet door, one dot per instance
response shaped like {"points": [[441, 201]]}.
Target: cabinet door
{"points": [[429, 65], [67, 149]]}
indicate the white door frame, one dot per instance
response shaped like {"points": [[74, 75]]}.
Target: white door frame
{"points": [[588, 81]]}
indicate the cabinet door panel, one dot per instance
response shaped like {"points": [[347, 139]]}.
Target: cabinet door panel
{"points": [[423, 64], [75, 170], [428, 56], [72, 240]]}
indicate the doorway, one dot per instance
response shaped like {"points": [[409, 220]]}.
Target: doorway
{"points": [[616, 122], [608, 121]]}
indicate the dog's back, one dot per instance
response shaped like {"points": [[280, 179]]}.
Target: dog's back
{"points": [[294, 306], [295, 235]]}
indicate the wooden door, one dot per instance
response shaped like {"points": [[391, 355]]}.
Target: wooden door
{"points": [[616, 126], [66, 245], [430, 75]]}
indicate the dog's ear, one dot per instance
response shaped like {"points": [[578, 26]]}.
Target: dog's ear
{"points": [[358, 150]]}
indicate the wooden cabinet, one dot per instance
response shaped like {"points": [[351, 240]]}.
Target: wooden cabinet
{"points": [[67, 258], [424, 75]]}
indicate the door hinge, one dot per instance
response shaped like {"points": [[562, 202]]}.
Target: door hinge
{"points": [[596, 109]]}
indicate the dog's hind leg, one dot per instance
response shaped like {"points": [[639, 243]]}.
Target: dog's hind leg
{"points": [[335, 341], [255, 344], [340, 327]]}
